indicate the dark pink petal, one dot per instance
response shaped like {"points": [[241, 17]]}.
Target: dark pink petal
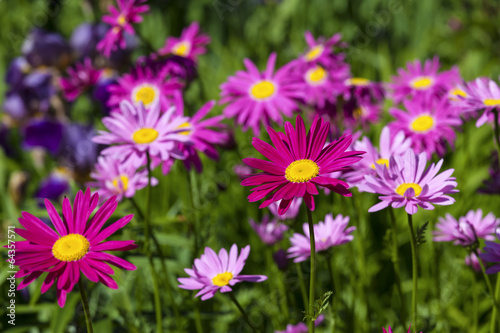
{"points": [[88, 271], [110, 230], [55, 218], [27, 280], [114, 260], [115, 246]]}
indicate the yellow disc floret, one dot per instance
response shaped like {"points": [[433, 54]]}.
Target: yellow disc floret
{"points": [[182, 49], [222, 279], [184, 125], [262, 89], [315, 52], [301, 171], [405, 186], [145, 135], [421, 83], [71, 247], [144, 94], [383, 161], [357, 81], [422, 124], [316, 75], [492, 102], [123, 180]]}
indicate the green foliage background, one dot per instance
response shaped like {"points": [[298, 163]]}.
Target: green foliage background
{"points": [[383, 35]]}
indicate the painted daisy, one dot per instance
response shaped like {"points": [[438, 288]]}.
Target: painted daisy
{"points": [[213, 272], [297, 163], [254, 97], [322, 51], [269, 231], [484, 95], [189, 45], [408, 182], [75, 246], [83, 76], [321, 84]]}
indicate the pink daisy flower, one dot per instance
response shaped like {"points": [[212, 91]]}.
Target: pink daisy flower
{"points": [[190, 45], [396, 146], [121, 20], [269, 231], [83, 76], [290, 214], [416, 80], [327, 234], [135, 131], [407, 182], [322, 51], [362, 88], [320, 84], [468, 229], [256, 97], [492, 254], [115, 178], [143, 86], [430, 123], [214, 272], [297, 163], [484, 95], [75, 246]]}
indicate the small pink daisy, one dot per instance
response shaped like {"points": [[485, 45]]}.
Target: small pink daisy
{"points": [[322, 51], [484, 95], [190, 45], [321, 84], [83, 76]]}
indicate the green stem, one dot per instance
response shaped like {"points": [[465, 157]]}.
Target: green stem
{"points": [[302, 285], [85, 304], [494, 295], [395, 262], [242, 311], [335, 290], [497, 134], [414, 262], [474, 303], [312, 279], [495, 310], [197, 318]]}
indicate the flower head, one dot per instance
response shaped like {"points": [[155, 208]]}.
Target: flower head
{"points": [[492, 254], [301, 327], [484, 94], [189, 45], [408, 182], [256, 97], [298, 163], [75, 246], [83, 76], [322, 50], [269, 231], [213, 272], [327, 234]]}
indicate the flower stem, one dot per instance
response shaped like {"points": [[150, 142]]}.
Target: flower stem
{"points": [[335, 290], [242, 311], [474, 302], [414, 262], [495, 309], [312, 280], [497, 134], [85, 304], [492, 294], [395, 262], [302, 285]]}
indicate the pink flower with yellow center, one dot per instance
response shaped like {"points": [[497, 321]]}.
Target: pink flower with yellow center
{"points": [[75, 246], [321, 51], [484, 95], [189, 45], [83, 76]]}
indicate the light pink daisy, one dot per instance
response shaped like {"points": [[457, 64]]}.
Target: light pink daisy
{"points": [[269, 231], [484, 94], [189, 45]]}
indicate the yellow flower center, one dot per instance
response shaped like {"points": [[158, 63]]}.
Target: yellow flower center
{"points": [[145, 135], [316, 75], [301, 171], [315, 52], [403, 187], [121, 19], [262, 89], [384, 161], [422, 124], [222, 279], [182, 49], [71, 247], [184, 125], [457, 92], [492, 102], [421, 83], [121, 182], [357, 81], [145, 94]]}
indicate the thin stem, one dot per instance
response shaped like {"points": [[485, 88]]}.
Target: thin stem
{"points": [[495, 310], [242, 311], [487, 279], [312, 279], [335, 289], [302, 285], [474, 303], [156, 296], [85, 304], [395, 262], [497, 134], [414, 262], [197, 319]]}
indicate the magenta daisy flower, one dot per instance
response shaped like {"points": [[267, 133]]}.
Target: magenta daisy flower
{"points": [[484, 95], [327, 234], [213, 272], [407, 182], [83, 76], [395, 146], [290, 214], [429, 122], [75, 246], [115, 178], [321, 84], [256, 97], [135, 131], [322, 51], [416, 80], [142, 85], [269, 231], [492, 254], [362, 88], [121, 20], [298, 163], [190, 45], [468, 229]]}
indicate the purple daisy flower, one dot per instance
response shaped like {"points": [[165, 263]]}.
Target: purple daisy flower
{"points": [[121, 20], [395, 146], [189, 45], [75, 246], [298, 163], [301, 327], [327, 234], [143, 85], [135, 131], [290, 214], [468, 229], [269, 231], [416, 80], [407, 182], [213, 272], [83, 76], [256, 97], [484, 95], [492, 254], [429, 122], [115, 178], [43, 134]]}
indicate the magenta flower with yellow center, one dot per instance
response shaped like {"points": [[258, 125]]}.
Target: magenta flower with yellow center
{"points": [[189, 45], [484, 95], [214, 272], [75, 246], [299, 162]]}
